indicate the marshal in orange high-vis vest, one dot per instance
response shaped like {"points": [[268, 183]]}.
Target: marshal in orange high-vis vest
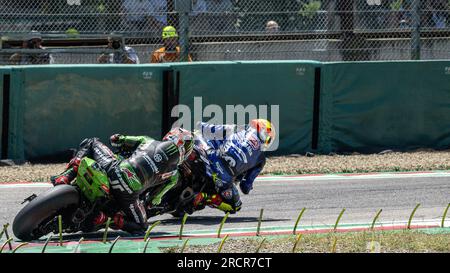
{"points": [[171, 50]]}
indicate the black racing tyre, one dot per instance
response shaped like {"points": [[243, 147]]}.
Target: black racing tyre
{"points": [[41, 208]]}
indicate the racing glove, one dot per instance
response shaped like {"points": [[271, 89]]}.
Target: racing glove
{"points": [[116, 140]]}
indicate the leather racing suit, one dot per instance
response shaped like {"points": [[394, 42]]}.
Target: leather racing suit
{"points": [[234, 155], [152, 163]]}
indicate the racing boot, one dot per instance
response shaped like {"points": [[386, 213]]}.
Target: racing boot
{"points": [[134, 228], [215, 201], [94, 222], [100, 219], [200, 201], [64, 178], [68, 175]]}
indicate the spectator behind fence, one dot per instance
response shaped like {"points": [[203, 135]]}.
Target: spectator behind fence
{"points": [[144, 15], [34, 41], [439, 12], [272, 26], [171, 51], [125, 56]]}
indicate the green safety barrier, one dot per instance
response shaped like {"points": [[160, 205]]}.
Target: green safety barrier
{"points": [[364, 107], [53, 108], [288, 84], [3, 71], [372, 106]]}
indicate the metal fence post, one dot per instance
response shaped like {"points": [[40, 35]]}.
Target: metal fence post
{"points": [[415, 31], [183, 8]]}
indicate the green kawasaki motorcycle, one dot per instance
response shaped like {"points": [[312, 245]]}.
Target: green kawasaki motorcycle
{"points": [[77, 204]]}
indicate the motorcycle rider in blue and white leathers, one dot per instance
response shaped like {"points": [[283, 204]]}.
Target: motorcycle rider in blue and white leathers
{"points": [[235, 154]]}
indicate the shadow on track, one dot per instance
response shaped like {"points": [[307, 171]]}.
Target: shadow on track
{"points": [[98, 236], [215, 220], [199, 220]]}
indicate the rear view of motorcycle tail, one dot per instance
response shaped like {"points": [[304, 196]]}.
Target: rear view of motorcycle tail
{"points": [[76, 203]]}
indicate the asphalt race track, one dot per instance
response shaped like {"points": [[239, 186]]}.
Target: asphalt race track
{"points": [[282, 200]]}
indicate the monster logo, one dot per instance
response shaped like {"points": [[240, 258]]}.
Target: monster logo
{"points": [[228, 194]]}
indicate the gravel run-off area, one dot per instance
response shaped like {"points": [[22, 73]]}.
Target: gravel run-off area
{"points": [[287, 165]]}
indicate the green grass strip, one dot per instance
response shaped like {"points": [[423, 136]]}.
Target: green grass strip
{"points": [[338, 219], [260, 245], [222, 223], [4, 244], [412, 215], [105, 234], [113, 244], [60, 229], [19, 246], [180, 237], [222, 243], [46, 243], [375, 219], [147, 233], [184, 245], [299, 237], [258, 229], [445, 215], [298, 220]]}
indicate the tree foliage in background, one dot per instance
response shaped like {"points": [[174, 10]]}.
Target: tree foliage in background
{"points": [[309, 10]]}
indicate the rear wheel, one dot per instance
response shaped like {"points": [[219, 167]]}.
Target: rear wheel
{"points": [[29, 222]]}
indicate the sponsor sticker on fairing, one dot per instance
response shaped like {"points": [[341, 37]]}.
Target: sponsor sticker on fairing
{"points": [[227, 194], [157, 157], [168, 175], [219, 168], [151, 163], [231, 162], [218, 182], [254, 143]]}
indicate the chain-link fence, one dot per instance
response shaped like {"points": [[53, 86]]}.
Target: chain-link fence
{"points": [[76, 31]]}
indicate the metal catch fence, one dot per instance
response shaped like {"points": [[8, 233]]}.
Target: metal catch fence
{"points": [[76, 31]]}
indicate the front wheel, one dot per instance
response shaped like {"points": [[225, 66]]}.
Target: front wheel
{"points": [[43, 209]]}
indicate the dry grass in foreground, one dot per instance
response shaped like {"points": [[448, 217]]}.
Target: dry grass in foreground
{"points": [[360, 242]]}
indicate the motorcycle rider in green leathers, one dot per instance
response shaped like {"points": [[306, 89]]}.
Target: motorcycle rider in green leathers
{"points": [[152, 163]]}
